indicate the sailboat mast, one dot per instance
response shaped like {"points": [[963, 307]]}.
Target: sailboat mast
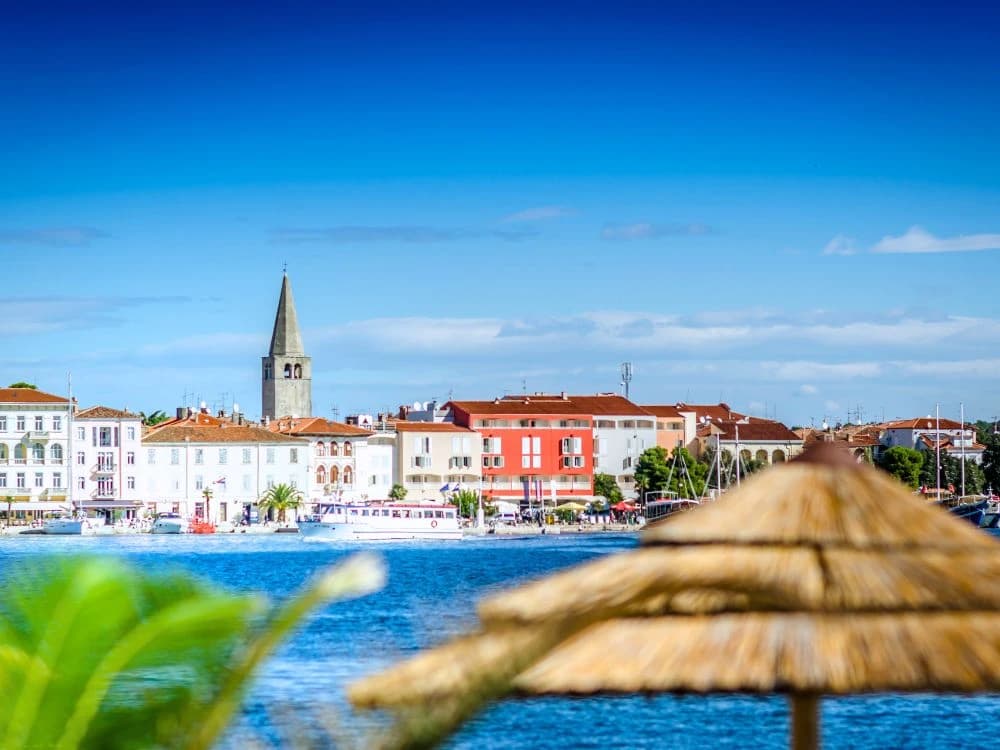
{"points": [[736, 458], [937, 448], [962, 409], [718, 462]]}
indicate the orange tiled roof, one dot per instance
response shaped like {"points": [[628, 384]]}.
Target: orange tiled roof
{"points": [[600, 404], [720, 411], [924, 423], [29, 396], [315, 426], [523, 406], [224, 432], [762, 430], [104, 412], [663, 410]]}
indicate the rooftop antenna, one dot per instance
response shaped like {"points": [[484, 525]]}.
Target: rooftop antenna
{"points": [[524, 386], [626, 376], [335, 411]]}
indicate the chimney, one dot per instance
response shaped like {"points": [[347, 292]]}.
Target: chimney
{"points": [[562, 395]]}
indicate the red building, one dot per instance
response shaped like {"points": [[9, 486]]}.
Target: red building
{"points": [[533, 446]]}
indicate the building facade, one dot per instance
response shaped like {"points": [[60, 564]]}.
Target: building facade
{"points": [[212, 468], [622, 431], [930, 434], [435, 458], [106, 456], [286, 371], [533, 448], [35, 439]]}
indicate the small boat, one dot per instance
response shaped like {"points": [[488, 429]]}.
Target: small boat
{"points": [[973, 512], [201, 526], [63, 524], [657, 510], [169, 523], [382, 521]]}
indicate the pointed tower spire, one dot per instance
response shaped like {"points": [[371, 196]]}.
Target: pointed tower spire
{"points": [[286, 339]]}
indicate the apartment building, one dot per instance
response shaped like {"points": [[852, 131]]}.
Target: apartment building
{"points": [[107, 471], [433, 455], [34, 449]]}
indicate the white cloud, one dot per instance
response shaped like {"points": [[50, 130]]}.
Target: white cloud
{"points": [[801, 370], [645, 231], [540, 213], [808, 390], [840, 245], [919, 240]]}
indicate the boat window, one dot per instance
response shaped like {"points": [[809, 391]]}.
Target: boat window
{"points": [[354, 511], [449, 514], [439, 514], [395, 514], [364, 512]]}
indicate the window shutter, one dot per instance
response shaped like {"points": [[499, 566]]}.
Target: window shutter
{"points": [[525, 445], [536, 445], [578, 445]]}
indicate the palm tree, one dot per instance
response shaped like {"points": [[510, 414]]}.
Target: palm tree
{"points": [[153, 418], [207, 494], [398, 492], [10, 500], [281, 497]]}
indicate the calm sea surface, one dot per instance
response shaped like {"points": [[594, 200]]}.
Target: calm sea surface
{"points": [[431, 594]]}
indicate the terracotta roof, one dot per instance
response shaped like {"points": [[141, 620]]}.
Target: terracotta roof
{"points": [[856, 440], [315, 426], [105, 412], [925, 423], [29, 396], [600, 404], [402, 426], [763, 430], [663, 410], [198, 418], [190, 431], [719, 411], [526, 406], [948, 446]]}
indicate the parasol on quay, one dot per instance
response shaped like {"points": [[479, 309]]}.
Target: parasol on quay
{"points": [[819, 577]]}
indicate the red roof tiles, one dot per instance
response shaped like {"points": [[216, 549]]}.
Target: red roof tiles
{"points": [[29, 396]]}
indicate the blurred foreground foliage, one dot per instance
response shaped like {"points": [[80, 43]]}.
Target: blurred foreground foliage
{"points": [[95, 653]]}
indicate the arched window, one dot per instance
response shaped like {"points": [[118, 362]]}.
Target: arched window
{"points": [[762, 456], [348, 476], [320, 475], [320, 448], [3, 452], [267, 372], [334, 449], [348, 449], [20, 454], [38, 451], [288, 371], [778, 457], [56, 452], [298, 372], [745, 456], [333, 475]]}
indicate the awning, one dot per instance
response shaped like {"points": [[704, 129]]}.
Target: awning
{"points": [[36, 505], [96, 505]]}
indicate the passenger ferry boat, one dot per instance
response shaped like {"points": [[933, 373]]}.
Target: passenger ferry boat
{"points": [[382, 521]]}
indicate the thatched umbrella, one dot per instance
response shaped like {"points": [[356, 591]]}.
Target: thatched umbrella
{"points": [[821, 577]]}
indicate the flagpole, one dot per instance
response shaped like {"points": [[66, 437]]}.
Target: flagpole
{"points": [[961, 406], [937, 448]]}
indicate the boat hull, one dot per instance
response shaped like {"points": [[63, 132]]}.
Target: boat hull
{"points": [[168, 527], [343, 532], [971, 512], [63, 527]]}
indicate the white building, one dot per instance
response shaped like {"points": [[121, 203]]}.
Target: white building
{"points": [[34, 450], [235, 463], [339, 461], [107, 470], [432, 455], [622, 431], [925, 433]]}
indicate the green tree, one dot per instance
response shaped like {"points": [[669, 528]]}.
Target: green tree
{"points": [[154, 418], [22, 384], [605, 486], [991, 463], [467, 502], [281, 497], [652, 471], [903, 463], [687, 476], [397, 493], [140, 659]]}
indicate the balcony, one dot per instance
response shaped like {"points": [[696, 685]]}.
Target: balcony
{"points": [[104, 468], [37, 435]]}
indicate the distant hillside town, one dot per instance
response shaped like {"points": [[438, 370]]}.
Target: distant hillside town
{"points": [[539, 447]]}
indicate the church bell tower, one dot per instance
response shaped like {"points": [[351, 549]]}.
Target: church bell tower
{"points": [[286, 371]]}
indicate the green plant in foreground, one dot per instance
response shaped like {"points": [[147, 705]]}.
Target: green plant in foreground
{"points": [[97, 654]]}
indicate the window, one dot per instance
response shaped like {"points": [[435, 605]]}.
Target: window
{"points": [[270, 482], [175, 456], [105, 437], [39, 423], [131, 433], [81, 458], [105, 461], [57, 423], [105, 487], [334, 449], [571, 445], [320, 474], [422, 445], [130, 458], [199, 482], [223, 455], [348, 476], [348, 449], [150, 456], [81, 433], [38, 451], [199, 455], [56, 453], [246, 482], [3, 479], [269, 455], [334, 475], [293, 455], [57, 481], [82, 483], [491, 445], [20, 480], [3, 424], [247, 456], [39, 479], [288, 371], [320, 448], [20, 423]]}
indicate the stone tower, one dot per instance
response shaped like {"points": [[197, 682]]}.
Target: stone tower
{"points": [[286, 371]]}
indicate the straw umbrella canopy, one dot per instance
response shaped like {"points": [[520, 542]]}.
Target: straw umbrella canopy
{"points": [[820, 577]]}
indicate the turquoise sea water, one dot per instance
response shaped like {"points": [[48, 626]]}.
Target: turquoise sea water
{"points": [[431, 594]]}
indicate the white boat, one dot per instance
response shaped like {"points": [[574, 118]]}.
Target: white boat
{"points": [[382, 521], [169, 523], [64, 524]]}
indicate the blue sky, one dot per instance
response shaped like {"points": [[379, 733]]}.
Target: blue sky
{"points": [[794, 210]]}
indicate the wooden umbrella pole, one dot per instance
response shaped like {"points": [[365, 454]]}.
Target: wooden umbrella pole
{"points": [[805, 722]]}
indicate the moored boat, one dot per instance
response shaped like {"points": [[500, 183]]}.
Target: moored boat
{"points": [[382, 521], [64, 524], [169, 523], [973, 512]]}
